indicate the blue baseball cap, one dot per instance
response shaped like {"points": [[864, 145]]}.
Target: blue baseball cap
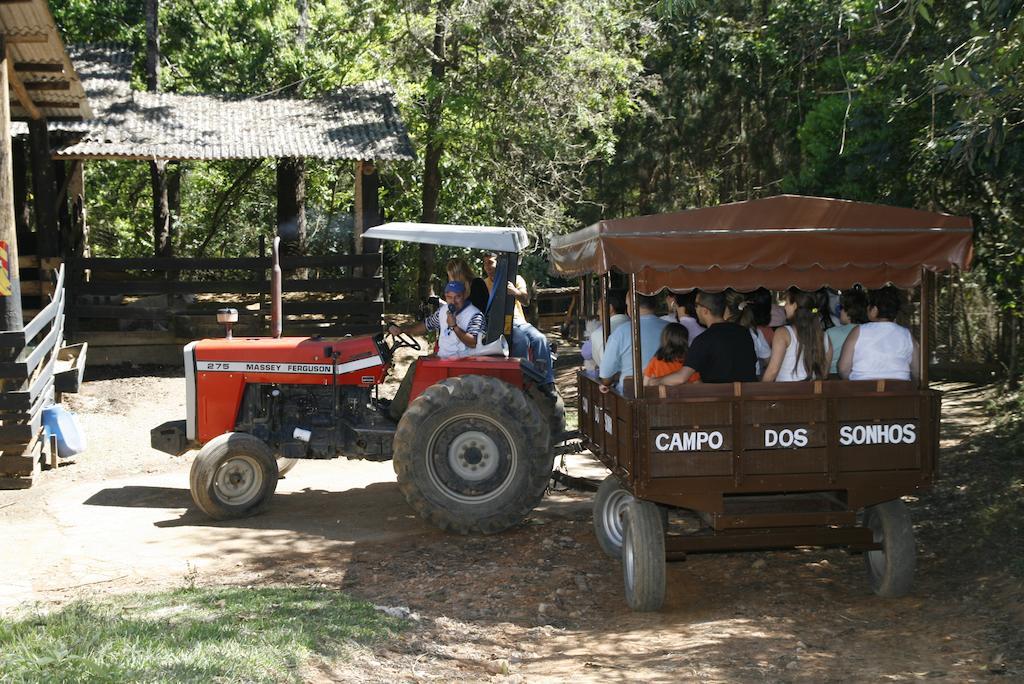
{"points": [[455, 286]]}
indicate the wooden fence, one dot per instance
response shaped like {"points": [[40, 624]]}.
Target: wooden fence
{"points": [[36, 369], [143, 310]]}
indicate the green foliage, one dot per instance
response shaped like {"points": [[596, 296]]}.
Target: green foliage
{"points": [[551, 114], [188, 635]]}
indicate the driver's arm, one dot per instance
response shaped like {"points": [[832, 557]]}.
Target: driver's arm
{"points": [[416, 329]]}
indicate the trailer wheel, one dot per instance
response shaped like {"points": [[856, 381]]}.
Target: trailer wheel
{"points": [[285, 464], [233, 476], [643, 556], [609, 509], [472, 454], [891, 568]]}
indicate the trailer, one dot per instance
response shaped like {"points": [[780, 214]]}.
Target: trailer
{"points": [[742, 466]]}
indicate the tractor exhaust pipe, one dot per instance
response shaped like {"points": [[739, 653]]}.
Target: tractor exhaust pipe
{"points": [[275, 289]]}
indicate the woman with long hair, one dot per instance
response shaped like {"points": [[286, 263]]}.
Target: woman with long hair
{"points": [[800, 349], [460, 270]]}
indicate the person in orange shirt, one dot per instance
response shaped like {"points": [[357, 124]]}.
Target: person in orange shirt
{"points": [[671, 355]]}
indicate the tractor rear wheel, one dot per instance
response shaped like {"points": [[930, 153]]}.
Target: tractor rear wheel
{"points": [[472, 454], [233, 476], [552, 407]]}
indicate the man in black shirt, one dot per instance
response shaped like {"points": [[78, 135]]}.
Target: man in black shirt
{"points": [[722, 353]]}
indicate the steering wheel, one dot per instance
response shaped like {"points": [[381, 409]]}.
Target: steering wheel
{"points": [[401, 339]]}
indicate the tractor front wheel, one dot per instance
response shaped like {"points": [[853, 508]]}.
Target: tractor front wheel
{"points": [[472, 454], [233, 476]]}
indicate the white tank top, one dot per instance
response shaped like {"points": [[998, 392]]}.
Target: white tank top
{"points": [[793, 369], [884, 351]]}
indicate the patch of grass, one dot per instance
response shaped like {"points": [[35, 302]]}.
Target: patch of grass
{"points": [[187, 635]]}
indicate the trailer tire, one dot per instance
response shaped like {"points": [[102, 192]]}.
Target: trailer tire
{"points": [[609, 510], [285, 464], [643, 556], [891, 568], [473, 454], [233, 476]]}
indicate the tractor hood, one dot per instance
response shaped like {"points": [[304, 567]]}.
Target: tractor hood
{"points": [[496, 239]]}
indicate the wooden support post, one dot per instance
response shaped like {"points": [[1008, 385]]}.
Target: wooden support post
{"points": [[22, 216], [10, 286], [606, 317], [634, 322], [927, 284], [43, 188], [77, 237], [367, 214], [291, 205]]}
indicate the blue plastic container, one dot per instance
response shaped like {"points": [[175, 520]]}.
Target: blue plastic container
{"points": [[59, 422]]}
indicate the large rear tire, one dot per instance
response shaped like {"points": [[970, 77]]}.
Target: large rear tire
{"points": [[233, 476], [891, 568], [643, 556], [552, 407], [609, 510], [472, 454]]}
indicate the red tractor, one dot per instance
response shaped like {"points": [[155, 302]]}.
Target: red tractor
{"points": [[473, 452]]}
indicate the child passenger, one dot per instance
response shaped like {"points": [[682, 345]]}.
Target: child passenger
{"points": [[800, 350], [671, 354]]}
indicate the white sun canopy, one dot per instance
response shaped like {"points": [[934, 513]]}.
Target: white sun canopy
{"points": [[492, 238]]}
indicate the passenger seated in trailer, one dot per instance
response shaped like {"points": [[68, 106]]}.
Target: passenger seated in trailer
{"points": [[618, 354], [739, 309], [853, 311], [617, 316], [682, 309], [760, 304], [671, 355], [880, 349], [800, 350], [724, 352]]}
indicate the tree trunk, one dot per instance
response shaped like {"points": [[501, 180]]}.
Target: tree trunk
{"points": [[163, 240], [291, 205], [163, 237], [302, 28], [153, 45], [434, 145]]}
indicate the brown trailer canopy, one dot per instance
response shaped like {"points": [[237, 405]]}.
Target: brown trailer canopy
{"points": [[778, 242]]}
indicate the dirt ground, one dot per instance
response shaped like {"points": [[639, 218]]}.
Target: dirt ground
{"points": [[537, 603]]}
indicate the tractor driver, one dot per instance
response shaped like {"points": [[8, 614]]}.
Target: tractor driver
{"points": [[457, 324]]}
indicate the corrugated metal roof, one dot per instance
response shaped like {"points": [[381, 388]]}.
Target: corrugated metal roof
{"points": [[360, 122], [41, 63]]}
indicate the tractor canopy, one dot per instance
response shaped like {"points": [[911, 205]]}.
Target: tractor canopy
{"points": [[490, 238], [506, 242], [777, 242]]}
